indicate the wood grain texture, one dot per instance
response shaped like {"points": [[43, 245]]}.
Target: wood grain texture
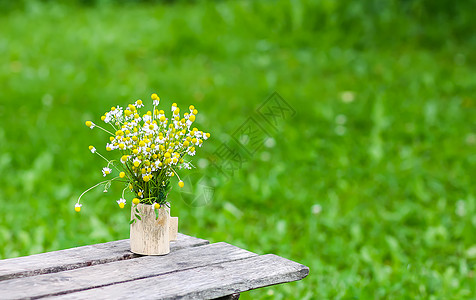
{"points": [[120, 271], [173, 228], [79, 257], [150, 235], [208, 282]]}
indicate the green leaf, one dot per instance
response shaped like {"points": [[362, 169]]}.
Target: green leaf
{"points": [[138, 217]]}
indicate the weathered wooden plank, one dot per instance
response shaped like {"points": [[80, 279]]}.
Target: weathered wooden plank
{"points": [[79, 257], [120, 271], [206, 282]]}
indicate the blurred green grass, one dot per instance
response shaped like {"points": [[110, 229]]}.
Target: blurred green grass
{"points": [[383, 140]]}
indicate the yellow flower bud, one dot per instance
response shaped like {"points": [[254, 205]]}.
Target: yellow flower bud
{"points": [[122, 174], [89, 123], [103, 118], [181, 184], [154, 96], [192, 118], [136, 201], [156, 205], [121, 205]]}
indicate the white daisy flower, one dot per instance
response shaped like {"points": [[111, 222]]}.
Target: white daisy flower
{"points": [[90, 124], [106, 171], [77, 207], [121, 202], [146, 118], [139, 103], [110, 147], [191, 151], [158, 164], [109, 117], [160, 140]]}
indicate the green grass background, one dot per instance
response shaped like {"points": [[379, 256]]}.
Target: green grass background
{"points": [[393, 170]]}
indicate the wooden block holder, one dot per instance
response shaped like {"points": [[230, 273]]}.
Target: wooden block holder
{"points": [[152, 235]]}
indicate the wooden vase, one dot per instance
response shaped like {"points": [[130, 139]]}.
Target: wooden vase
{"points": [[152, 235]]}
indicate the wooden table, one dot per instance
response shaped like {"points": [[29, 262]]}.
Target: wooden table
{"points": [[194, 268]]}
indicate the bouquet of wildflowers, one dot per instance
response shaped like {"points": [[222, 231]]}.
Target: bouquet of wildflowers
{"points": [[152, 149]]}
